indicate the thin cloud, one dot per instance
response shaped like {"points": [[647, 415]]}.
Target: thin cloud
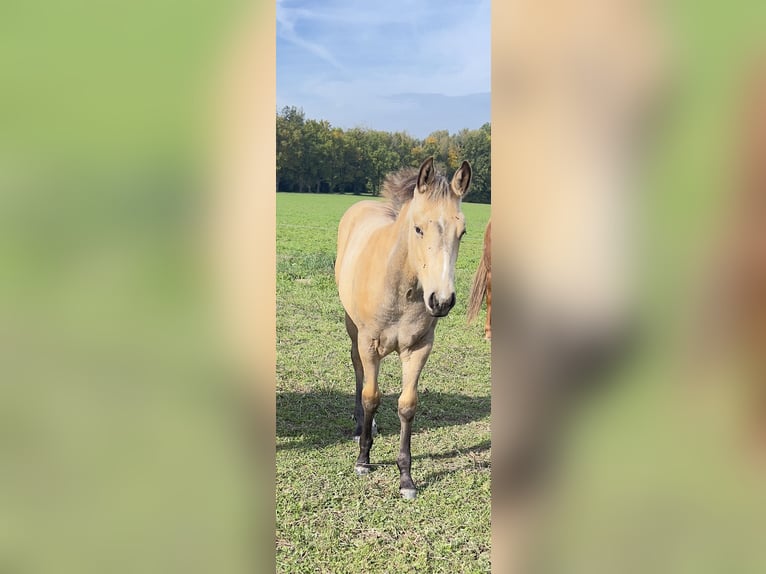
{"points": [[345, 61], [286, 18]]}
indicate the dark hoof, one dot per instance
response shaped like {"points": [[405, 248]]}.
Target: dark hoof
{"points": [[408, 493]]}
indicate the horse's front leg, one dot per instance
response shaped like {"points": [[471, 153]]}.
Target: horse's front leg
{"points": [[370, 397], [413, 361]]}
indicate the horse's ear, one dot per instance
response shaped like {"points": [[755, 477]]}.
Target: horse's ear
{"points": [[462, 179], [426, 174]]}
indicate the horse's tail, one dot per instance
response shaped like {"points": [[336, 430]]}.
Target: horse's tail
{"points": [[478, 290]]}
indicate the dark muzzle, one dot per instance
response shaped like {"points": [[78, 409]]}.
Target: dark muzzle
{"points": [[440, 307]]}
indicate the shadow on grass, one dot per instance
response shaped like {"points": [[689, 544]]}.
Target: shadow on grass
{"points": [[323, 418], [468, 458]]}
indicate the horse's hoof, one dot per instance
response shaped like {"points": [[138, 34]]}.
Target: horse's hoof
{"points": [[361, 470], [357, 437], [408, 493]]}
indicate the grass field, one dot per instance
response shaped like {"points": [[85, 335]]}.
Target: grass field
{"points": [[329, 519]]}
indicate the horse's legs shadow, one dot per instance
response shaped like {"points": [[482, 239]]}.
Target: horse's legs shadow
{"points": [[434, 477]]}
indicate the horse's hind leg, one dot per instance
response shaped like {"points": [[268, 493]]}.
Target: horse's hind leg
{"points": [[356, 360], [413, 361]]}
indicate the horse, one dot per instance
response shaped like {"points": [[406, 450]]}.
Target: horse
{"points": [[748, 255], [728, 324], [395, 273], [481, 287]]}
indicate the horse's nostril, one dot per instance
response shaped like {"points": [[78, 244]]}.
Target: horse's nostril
{"points": [[432, 300], [452, 301]]}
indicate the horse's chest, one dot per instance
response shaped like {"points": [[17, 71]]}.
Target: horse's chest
{"points": [[405, 333]]}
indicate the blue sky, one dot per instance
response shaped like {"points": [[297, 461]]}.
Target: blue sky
{"points": [[412, 65]]}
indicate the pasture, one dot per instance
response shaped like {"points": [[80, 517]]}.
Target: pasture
{"points": [[329, 519]]}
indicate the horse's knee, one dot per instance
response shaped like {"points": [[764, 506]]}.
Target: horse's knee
{"points": [[370, 399], [407, 406]]}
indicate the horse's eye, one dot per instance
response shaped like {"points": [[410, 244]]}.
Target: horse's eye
{"points": [[418, 230]]}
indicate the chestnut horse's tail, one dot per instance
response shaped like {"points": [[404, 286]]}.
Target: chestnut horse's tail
{"points": [[478, 290]]}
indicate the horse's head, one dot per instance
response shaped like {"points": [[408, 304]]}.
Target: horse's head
{"points": [[436, 225]]}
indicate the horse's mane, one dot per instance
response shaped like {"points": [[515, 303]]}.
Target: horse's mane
{"points": [[399, 187]]}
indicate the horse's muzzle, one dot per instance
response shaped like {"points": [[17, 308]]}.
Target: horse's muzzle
{"points": [[440, 307]]}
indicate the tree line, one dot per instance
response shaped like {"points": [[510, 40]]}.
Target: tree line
{"points": [[315, 157]]}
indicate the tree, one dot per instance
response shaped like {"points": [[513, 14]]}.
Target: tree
{"points": [[314, 156], [476, 147]]}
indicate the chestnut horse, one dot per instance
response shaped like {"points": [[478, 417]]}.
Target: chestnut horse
{"points": [[747, 274], [730, 323], [395, 271], [481, 288]]}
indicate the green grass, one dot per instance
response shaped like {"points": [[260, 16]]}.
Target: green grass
{"points": [[120, 451], [329, 519]]}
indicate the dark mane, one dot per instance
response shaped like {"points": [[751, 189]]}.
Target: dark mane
{"points": [[399, 187]]}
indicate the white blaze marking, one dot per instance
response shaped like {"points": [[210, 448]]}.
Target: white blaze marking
{"points": [[445, 255]]}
